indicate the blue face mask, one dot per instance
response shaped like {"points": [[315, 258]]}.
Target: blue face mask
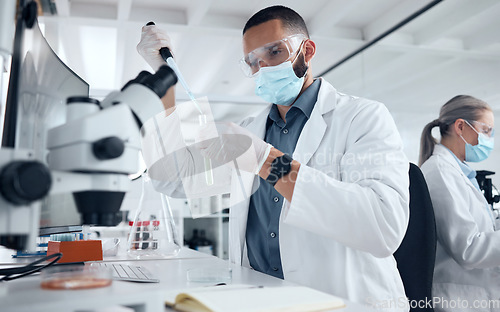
{"points": [[278, 84], [481, 151]]}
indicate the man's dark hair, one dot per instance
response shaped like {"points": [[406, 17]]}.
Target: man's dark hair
{"points": [[290, 19]]}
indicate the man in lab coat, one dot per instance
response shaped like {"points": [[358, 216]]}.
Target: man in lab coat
{"points": [[332, 205]]}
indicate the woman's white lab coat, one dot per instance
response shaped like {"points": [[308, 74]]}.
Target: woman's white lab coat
{"points": [[468, 247], [349, 210]]}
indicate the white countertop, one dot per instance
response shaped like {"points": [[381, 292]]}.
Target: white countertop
{"points": [[25, 294]]}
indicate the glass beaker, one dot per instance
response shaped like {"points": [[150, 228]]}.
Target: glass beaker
{"points": [[153, 233]]}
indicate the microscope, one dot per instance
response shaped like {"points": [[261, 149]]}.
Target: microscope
{"points": [[90, 154], [486, 186], [93, 153]]}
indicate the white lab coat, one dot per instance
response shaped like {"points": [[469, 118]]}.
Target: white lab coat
{"points": [[349, 210], [468, 247]]}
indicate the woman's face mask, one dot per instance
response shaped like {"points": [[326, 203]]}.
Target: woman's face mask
{"points": [[481, 151]]}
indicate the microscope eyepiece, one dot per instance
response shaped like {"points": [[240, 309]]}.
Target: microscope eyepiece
{"points": [[161, 81], [143, 75], [23, 182]]}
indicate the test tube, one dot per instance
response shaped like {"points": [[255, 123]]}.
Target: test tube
{"points": [[202, 118], [167, 56], [209, 178], [138, 234], [145, 234], [156, 225]]}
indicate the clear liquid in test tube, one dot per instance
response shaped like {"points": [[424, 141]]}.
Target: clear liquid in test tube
{"points": [[209, 176]]}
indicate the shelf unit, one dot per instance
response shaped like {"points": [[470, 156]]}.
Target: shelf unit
{"points": [[215, 224]]}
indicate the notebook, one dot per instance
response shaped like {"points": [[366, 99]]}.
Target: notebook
{"points": [[248, 298]]}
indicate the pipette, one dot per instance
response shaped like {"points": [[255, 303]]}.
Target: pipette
{"points": [[202, 118]]}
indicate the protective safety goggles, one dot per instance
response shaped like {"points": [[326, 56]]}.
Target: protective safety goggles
{"points": [[271, 54], [486, 129]]}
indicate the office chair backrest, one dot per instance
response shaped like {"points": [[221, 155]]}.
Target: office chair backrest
{"points": [[417, 253]]}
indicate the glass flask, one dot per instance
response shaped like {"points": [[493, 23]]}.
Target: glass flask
{"points": [[153, 233]]}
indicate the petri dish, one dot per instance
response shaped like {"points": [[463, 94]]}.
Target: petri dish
{"points": [[75, 277]]}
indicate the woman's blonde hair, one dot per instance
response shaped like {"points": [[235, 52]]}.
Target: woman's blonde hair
{"points": [[461, 106]]}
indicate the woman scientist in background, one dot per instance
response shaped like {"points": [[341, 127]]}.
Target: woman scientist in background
{"points": [[467, 270]]}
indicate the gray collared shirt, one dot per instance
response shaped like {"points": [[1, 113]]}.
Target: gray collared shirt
{"points": [[265, 204]]}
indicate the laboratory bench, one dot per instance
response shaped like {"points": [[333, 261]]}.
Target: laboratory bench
{"points": [[25, 293]]}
